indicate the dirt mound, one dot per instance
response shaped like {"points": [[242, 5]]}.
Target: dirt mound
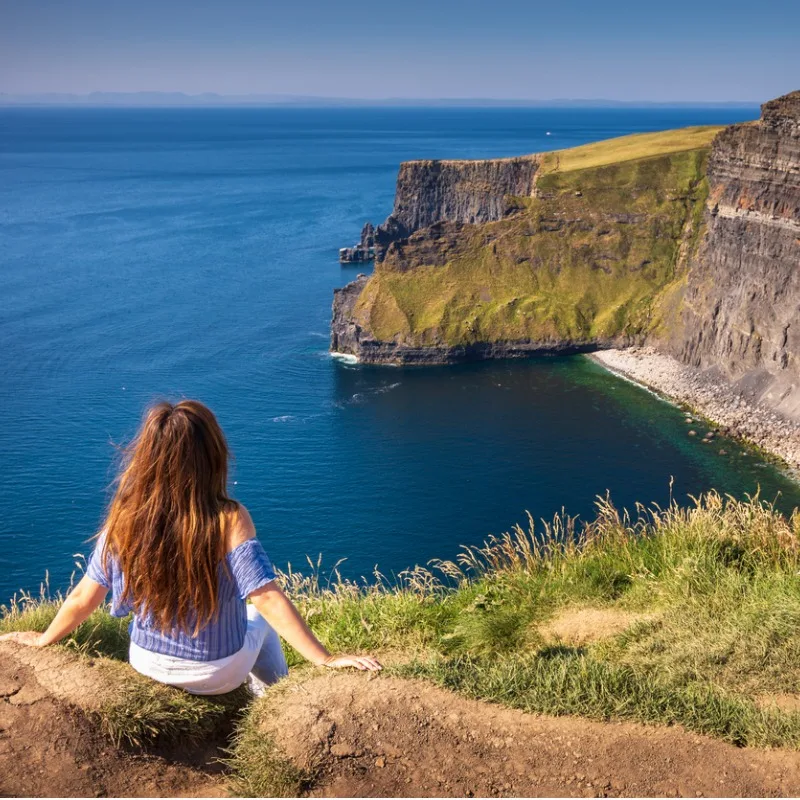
{"points": [[362, 737], [387, 737], [580, 626], [49, 746]]}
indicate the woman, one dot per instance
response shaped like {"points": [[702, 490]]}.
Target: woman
{"points": [[183, 558]]}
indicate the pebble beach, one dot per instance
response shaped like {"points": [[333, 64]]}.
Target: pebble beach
{"points": [[717, 400]]}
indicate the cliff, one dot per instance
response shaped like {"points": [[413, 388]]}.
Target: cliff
{"points": [[454, 191], [686, 240], [740, 311], [591, 255]]}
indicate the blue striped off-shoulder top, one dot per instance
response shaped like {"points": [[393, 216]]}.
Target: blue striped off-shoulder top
{"points": [[250, 569]]}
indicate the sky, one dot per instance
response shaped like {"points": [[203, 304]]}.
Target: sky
{"points": [[628, 50]]}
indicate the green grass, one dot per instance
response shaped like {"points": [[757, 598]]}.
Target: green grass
{"points": [[100, 635], [601, 253], [257, 766], [140, 711], [562, 680], [718, 583], [630, 148]]}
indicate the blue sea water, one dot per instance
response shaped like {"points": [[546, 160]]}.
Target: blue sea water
{"points": [[149, 253]]}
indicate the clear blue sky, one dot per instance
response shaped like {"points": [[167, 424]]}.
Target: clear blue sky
{"points": [[619, 49]]}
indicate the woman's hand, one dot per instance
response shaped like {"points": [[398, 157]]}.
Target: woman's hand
{"points": [[32, 638], [359, 662]]}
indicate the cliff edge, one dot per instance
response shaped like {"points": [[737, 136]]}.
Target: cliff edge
{"points": [[591, 255], [453, 191], [741, 310], [687, 240]]}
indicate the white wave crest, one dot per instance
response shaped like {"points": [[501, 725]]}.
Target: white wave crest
{"points": [[347, 358]]}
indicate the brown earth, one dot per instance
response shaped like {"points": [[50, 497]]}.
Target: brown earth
{"points": [[51, 746], [391, 737], [579, 626], [365, 737]]}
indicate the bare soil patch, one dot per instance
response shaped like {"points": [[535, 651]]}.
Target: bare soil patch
{"points": [[50, 747], [392, 737], [578, 626], [783, 702]]}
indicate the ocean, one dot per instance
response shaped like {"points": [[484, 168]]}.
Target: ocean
{"points": [[193, 253]]}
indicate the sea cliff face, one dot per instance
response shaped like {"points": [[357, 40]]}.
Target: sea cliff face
{"points": [[741, 310], [453, 191], [589, 257], [686, 240]]}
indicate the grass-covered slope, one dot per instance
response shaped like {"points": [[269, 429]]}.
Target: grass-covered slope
{"points": [[598, 254], [683, 615]]}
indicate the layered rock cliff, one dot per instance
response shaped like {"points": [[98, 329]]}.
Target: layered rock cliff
{"points": [[453, 191], [741, 310], [589, 256], [688, 240]]}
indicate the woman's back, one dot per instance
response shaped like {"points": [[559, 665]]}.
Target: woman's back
{"points": [[245, 568], [181, 556]]}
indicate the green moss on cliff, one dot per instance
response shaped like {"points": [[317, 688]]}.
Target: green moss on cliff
{"points": [[599, 253]]}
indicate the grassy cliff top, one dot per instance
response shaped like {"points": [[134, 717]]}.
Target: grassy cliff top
{"points": [[608, 151], [684, 615], [629, 148], [599, 254]]}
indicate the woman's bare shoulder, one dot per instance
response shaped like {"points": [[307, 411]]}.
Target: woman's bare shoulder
{"points": [[240, 527]]}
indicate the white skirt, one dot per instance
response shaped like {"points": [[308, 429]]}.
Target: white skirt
{"points": [[260, 662]]}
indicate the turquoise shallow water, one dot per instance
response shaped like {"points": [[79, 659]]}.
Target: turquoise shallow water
{"points": [[193, 252]]}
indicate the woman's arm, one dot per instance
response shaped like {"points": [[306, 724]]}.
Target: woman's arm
{"points": [[85, 598], [278, 610]]}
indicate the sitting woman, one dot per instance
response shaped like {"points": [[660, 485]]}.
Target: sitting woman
{"points": [[182, 556]]}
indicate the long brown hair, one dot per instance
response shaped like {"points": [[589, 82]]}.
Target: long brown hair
{"points": [[166, 523]]}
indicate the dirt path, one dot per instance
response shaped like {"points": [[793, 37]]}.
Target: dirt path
{"points": [[367, 737], [390, 737], [49, 747]]}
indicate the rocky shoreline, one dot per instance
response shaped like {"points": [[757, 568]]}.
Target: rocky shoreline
{"points": [[737, 415]]}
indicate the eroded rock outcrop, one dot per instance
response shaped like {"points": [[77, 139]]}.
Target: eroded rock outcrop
{"points": [[587, 260], [453, 191], [741, 310]]}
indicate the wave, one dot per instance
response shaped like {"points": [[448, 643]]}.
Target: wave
{"points": [[347, 358], [362, 397]]}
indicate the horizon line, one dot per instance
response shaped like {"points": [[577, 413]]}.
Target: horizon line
{"points": [[165, 98]]}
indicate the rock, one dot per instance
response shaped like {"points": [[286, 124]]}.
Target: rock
{"points": [[368, 235], [740, 313], [692, 433], [343, 750], [428, 192]]}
